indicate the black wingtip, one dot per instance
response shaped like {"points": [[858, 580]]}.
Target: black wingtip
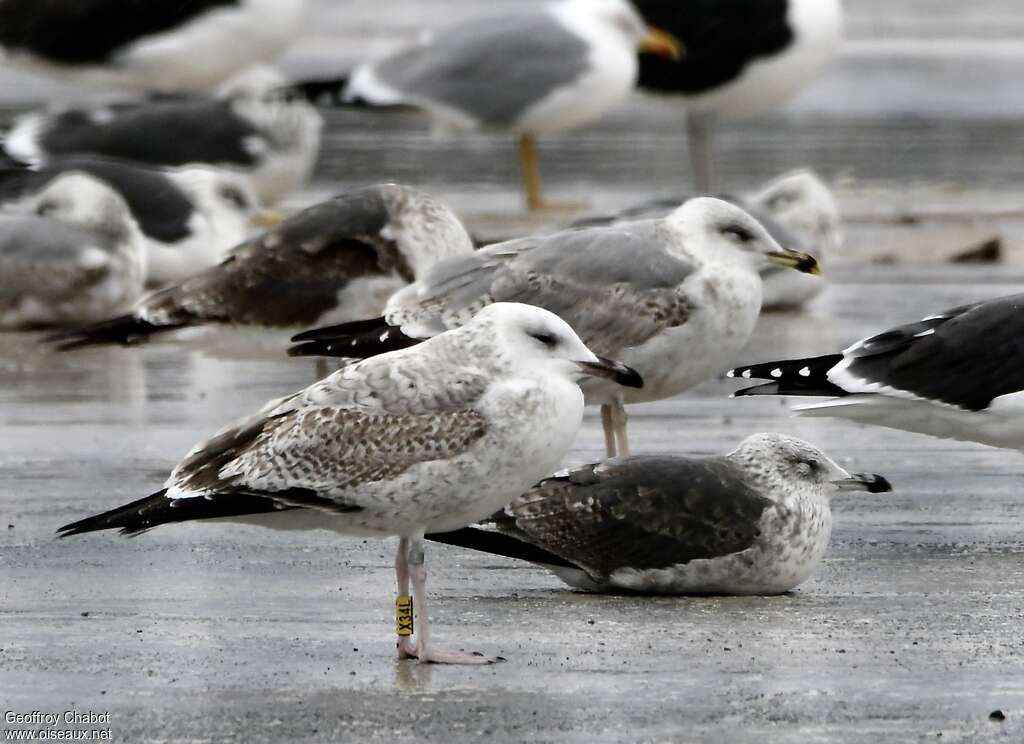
{"points": [[342, 329], [497, 543], [124, 330], [128, 518], [357, 340], [769, 388], [808, 377]]}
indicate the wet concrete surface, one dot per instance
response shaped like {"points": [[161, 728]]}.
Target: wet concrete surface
{"points": [[910, 631]]}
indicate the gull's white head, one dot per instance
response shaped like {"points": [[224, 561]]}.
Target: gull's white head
{"points": [[803, 203], [621, 18], [532, 340], [226, 201], [710, 229], [80, 199], [780, 463]]}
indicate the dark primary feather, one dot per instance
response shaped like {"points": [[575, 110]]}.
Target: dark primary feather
{"points": [[965, 357], [160, 207], [91, 31], [721, 37], [786, 378], [157, 509], [636, 512], [175, 131], [124, 330], [357, 340]]}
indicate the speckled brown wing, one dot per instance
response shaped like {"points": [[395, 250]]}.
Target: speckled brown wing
{"points": [[289, 275], [639, 512], [368, 422]]}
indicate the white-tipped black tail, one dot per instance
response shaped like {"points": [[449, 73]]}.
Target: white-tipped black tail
{"points": [[793, 377]]}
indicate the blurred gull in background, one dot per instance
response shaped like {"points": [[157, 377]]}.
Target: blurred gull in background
{"points": [[73, 254], [531, 72], [254, 126], [146, 47], [190, 217], [743, 57]]}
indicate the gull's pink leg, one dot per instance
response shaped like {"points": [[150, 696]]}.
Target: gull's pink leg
{"points": [[406, 645], [427, 652]]}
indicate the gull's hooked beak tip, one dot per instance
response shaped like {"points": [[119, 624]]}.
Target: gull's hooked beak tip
{"points": [[267, 218], [662, 44], [870, 482], [791, 259], [615, 371]]}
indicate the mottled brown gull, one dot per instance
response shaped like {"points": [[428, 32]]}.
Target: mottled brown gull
{"points": [[756, 521], [430, 438], [337, 260]]}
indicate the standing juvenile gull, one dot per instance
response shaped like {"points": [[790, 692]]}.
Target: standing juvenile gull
{"points": [[190, 216], [958, 374], [534, 71], [742, 57], [254, 126], [676, 298], [74, 256], [164, 47], [340, 259], [797, 208], [756, 521], [425, 439]]}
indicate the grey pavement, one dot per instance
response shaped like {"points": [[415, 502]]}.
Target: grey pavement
{"points": [[910, 630]]}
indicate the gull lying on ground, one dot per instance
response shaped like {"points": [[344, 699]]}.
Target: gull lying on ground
{"points": [[339, 259], [756, 521], [190, 217], [676, 298], [71, 254], [958, 374], [425, 439]]}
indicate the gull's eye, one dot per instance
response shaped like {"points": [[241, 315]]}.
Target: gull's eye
{"points": [[235, 196], [781, 200], [46, 207], [738, 233], [548, 339], [807, 467]]}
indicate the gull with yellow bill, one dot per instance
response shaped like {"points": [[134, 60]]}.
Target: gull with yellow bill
{"points": [[531, 72]]}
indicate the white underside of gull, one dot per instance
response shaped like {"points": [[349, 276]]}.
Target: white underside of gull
{"points": [[195, 56], [818, 27], [1000, 425]]}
